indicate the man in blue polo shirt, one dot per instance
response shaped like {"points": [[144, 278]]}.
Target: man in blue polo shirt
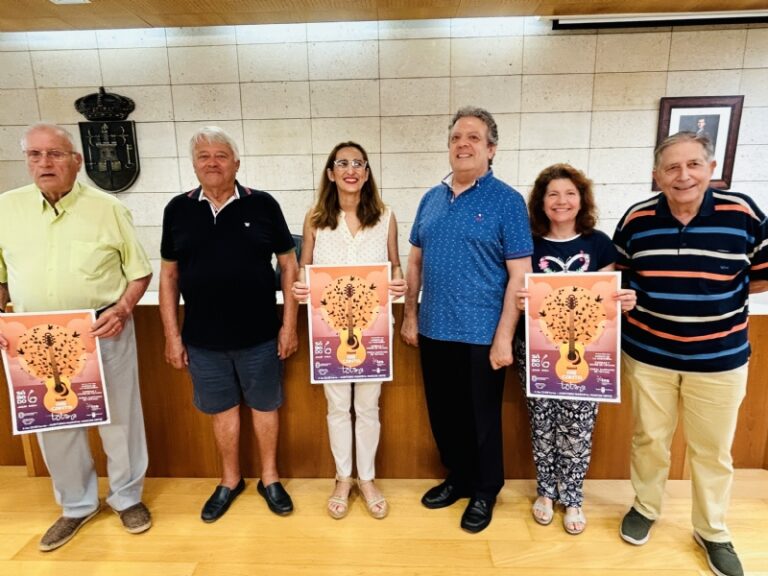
{"points": [[471, 247], [693, 254], [217, 247]]}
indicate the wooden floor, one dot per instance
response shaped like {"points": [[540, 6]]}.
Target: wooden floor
{"points": [[250, 541]]}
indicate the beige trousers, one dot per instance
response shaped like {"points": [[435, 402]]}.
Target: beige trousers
{"points": [[364, 437], [709, 406]]}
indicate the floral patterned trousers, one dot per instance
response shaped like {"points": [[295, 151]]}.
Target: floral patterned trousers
{"points": [[561, 435]]}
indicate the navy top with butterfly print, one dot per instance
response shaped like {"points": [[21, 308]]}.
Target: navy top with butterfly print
{"points": [[582, 253]]}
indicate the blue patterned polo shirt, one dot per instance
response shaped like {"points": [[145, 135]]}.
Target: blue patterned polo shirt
{"points": [[465, 242]]}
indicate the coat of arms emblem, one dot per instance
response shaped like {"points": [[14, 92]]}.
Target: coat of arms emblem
{"points": [[110, 151]]}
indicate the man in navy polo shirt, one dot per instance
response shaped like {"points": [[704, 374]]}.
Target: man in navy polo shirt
{"points": [[217, 247], [693, 254], [471, 247]]}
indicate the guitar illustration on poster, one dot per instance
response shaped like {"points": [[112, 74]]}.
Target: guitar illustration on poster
{"points": [[572, 336], [572, 366], [53, 354], [560, 311], [351, 351], [54, 371], [60, 397], [349, 323], [349, 306]]}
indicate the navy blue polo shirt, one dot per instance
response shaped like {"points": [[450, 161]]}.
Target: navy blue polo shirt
{"points": [[465, 242], [225, 266], [692, 281]]}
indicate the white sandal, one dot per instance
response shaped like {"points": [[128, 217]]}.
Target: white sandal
{"points": [[545, 511], [338, 506], [573, 518], [377, 505]]}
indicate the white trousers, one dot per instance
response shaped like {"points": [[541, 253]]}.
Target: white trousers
{"points": [[67, 453], [708, 404], [366, 427]]}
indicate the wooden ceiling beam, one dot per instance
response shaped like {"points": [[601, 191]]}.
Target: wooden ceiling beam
{"points": [[27, 15]]}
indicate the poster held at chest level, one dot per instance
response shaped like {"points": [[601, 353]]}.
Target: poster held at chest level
{"points": [[573, 333], [54, 371], [350, 323]]}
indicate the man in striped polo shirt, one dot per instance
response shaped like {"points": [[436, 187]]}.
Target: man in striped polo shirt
{"points": [[693, 254]]}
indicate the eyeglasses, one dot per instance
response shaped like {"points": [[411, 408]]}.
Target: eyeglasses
{"points": [[55, 155], [356, 164]]}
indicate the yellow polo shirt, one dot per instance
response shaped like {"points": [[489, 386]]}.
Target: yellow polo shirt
{"points": [[80, 255]]}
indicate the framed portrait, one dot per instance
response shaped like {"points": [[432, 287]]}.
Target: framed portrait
{"points": [[716, 117]]}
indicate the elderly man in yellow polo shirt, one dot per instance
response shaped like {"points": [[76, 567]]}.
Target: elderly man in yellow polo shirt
{"points": [[65, 246]]}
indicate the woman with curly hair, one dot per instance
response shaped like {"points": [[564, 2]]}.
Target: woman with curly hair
{"points": [[563, 215]]}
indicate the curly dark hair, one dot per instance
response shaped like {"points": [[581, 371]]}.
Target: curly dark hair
{"points": [[325, 212], [481, 114], [587, 216]]}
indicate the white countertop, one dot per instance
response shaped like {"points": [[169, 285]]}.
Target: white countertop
{"points": [[758, 303]]}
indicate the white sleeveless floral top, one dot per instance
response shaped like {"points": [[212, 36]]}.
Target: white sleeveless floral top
{"points": [[368, 246]]}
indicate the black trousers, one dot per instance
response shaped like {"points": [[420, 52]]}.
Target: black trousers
{"points": [[464, 396]]}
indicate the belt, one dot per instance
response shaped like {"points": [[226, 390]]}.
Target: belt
{"points": [[100, 311]]}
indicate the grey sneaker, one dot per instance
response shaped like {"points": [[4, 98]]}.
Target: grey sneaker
{"points": [[136, 519], [62, 531], [721, 557], [635, 528]]}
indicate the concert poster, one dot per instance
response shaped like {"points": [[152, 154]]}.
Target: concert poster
{"points": [[573, 335], [54, 371], [350, 323]]}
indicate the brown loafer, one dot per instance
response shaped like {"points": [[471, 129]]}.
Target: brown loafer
{"points": [[136, 519], [62, 531]]}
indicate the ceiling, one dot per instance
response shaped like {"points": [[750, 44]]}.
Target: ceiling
{"points": [[28, 15]]}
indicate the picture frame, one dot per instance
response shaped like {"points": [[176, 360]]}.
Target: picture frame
{"points": [[718, 117]]}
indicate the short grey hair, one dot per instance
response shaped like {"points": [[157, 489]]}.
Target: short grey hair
{"points": [[210, 135], [706, 144], [49, 126], [480, 114]]}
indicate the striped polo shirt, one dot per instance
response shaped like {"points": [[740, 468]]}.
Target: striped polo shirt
{"points": [[692, 281]]}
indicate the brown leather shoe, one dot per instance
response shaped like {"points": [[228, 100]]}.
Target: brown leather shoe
{"points": [[62, 531]]}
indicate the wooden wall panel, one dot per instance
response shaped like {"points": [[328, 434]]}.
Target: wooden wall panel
{"points": [[750, 446], [181, 441], [11, 448]]}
